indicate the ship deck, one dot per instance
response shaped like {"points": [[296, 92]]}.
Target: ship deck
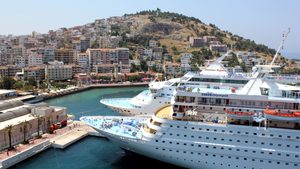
{"points": [[119, 125], [165, 113], [118, 102]]}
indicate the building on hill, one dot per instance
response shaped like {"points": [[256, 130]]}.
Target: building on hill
{"points": [[208, 39], [153, 43], [250, 59], [185, 62], [196, 42], [58, 71], [108, 56], [3, 71], [65, 55], [218, 48], [172, 69]]}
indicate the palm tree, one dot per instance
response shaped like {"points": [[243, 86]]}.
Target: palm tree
{"points": [[9, 130], [39, 119], [25, 124], [48, 123]]}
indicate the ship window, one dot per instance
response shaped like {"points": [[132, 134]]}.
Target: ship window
{"points": [[156, 140], [295, 165], [215, 130], [207, 138], [184, 144], [245, 150], [271, 144], [271, 135], [192, 136], [288, 136], [177, 134], [171, 125], [170, 142], [184, 135], [193, 128], [278, 162], [199, 137], [192, 145], [262, 152], [215, 138], [199, 145], [207, 129], [238, 141], [230, 131], [255, 134], [178, 126], [185, 127], [222, 139], [163, 141], [223, 131], [237, 149], [287, 145], [296, 156], [279, 154], [279, 135], [253, 151], [246, 132], [200, 128], [297, 137], [287, 155], [254, 142], [246, 141]]}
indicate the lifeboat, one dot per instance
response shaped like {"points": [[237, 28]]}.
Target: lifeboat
{"points": [[243, 115], [282, 116]]}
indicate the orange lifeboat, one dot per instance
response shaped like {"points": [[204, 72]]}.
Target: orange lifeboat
{"points": [[243, 115], [283, 116]]}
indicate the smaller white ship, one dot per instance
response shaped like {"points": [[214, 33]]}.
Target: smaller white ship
{"points": [[157, 96]]}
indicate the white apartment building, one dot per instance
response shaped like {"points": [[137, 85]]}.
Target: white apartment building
{"points": [[185, 61], [35, 59], [58, 71]]}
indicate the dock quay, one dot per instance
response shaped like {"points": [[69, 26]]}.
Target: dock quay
{"points": [[61, 139]]}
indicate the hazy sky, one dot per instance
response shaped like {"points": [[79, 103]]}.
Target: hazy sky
{"points": [[263, 21]]}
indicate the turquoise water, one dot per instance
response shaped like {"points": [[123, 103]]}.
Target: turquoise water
{"points": [[91, 152]]}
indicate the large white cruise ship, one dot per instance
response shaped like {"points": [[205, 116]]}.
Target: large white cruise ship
{"points": [[254, 126]]}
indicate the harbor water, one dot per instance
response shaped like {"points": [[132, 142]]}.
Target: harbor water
{"points": [[91, 152]]}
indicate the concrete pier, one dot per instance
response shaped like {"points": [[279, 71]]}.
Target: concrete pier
{"points": [[62, 138]]}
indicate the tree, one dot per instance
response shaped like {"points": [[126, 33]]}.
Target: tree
{"points": [[9, 130], [39, 119], [144, 65], [25, 124], [7, 83], [31, 81], [18, 85]]}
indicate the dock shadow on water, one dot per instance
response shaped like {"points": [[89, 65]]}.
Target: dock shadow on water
{"points": [[90, 152]]}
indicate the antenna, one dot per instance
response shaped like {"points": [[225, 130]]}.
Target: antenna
{"points": [[284, 36]]}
